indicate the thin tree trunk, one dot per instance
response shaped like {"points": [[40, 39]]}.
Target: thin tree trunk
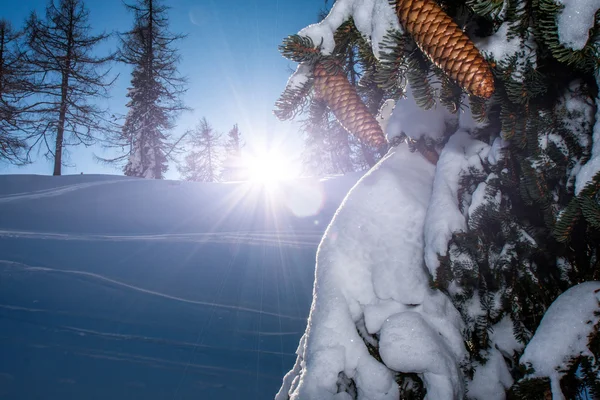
{"points": [[2, 39], [61, 123], [64, 93], [211, 174]]}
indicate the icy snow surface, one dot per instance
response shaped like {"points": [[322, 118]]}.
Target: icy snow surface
{"points": [[370, 276], [575, 21], [565, 329], [122, 288]]}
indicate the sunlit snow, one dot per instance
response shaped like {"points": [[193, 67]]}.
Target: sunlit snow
{"points": [[122, 288]]}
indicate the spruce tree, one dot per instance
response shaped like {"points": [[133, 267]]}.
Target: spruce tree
{"points": [[501, 98], [233, 168], [70, 77], [15, 88], [154, 95], [203, 161]]}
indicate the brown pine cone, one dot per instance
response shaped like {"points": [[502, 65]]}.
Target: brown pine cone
{"points": [[332, 86], [438, 36], [428, 152]]}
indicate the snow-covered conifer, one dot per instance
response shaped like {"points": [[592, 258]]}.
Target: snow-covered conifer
{"points": [[454, 266], [233, 168], [203, 161], [154, 100]]}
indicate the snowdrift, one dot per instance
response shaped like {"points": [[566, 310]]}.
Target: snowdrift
{"points": [[121, 288]]}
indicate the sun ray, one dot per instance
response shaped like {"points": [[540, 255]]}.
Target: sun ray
{"points": [[269, 167]]}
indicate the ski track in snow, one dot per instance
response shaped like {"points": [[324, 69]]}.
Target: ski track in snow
{"points": [[152, 339], [105, 279], [160, 362], [139, 359], [292, 239], [53, 192]]}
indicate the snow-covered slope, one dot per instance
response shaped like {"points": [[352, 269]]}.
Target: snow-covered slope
{"points": [[119, 288]]}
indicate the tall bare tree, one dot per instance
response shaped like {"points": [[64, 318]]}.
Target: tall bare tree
{"points": [[62, 53], [14, 88]]}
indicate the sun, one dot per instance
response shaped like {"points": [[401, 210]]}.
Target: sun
{"points": [[269, 167]]}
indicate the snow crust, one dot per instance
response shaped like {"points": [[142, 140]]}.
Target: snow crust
{"points": [[565, 329], [370, 278], [575, 21]]}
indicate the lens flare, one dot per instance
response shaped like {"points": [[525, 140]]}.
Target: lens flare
{"points": [[269, 168]]}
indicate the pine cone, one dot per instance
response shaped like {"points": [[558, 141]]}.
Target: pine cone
{"points": [[438, 36], [332, 86], [428, 152]]}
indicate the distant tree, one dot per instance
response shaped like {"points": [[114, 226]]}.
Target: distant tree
{"points": [[327, 147], [232, 167], [62, 56], [14, 88], [154, 95], [203, 161]]}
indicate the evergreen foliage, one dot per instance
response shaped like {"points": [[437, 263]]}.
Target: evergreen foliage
{"points": [[68, 79], [203, 162], [154, 95], [233, 168], [529, 237]]}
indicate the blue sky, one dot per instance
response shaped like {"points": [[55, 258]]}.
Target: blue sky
{"points": [[230, 58]]}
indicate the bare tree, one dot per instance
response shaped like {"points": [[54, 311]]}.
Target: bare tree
{"points": [[15, 87], [72, 78]]}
